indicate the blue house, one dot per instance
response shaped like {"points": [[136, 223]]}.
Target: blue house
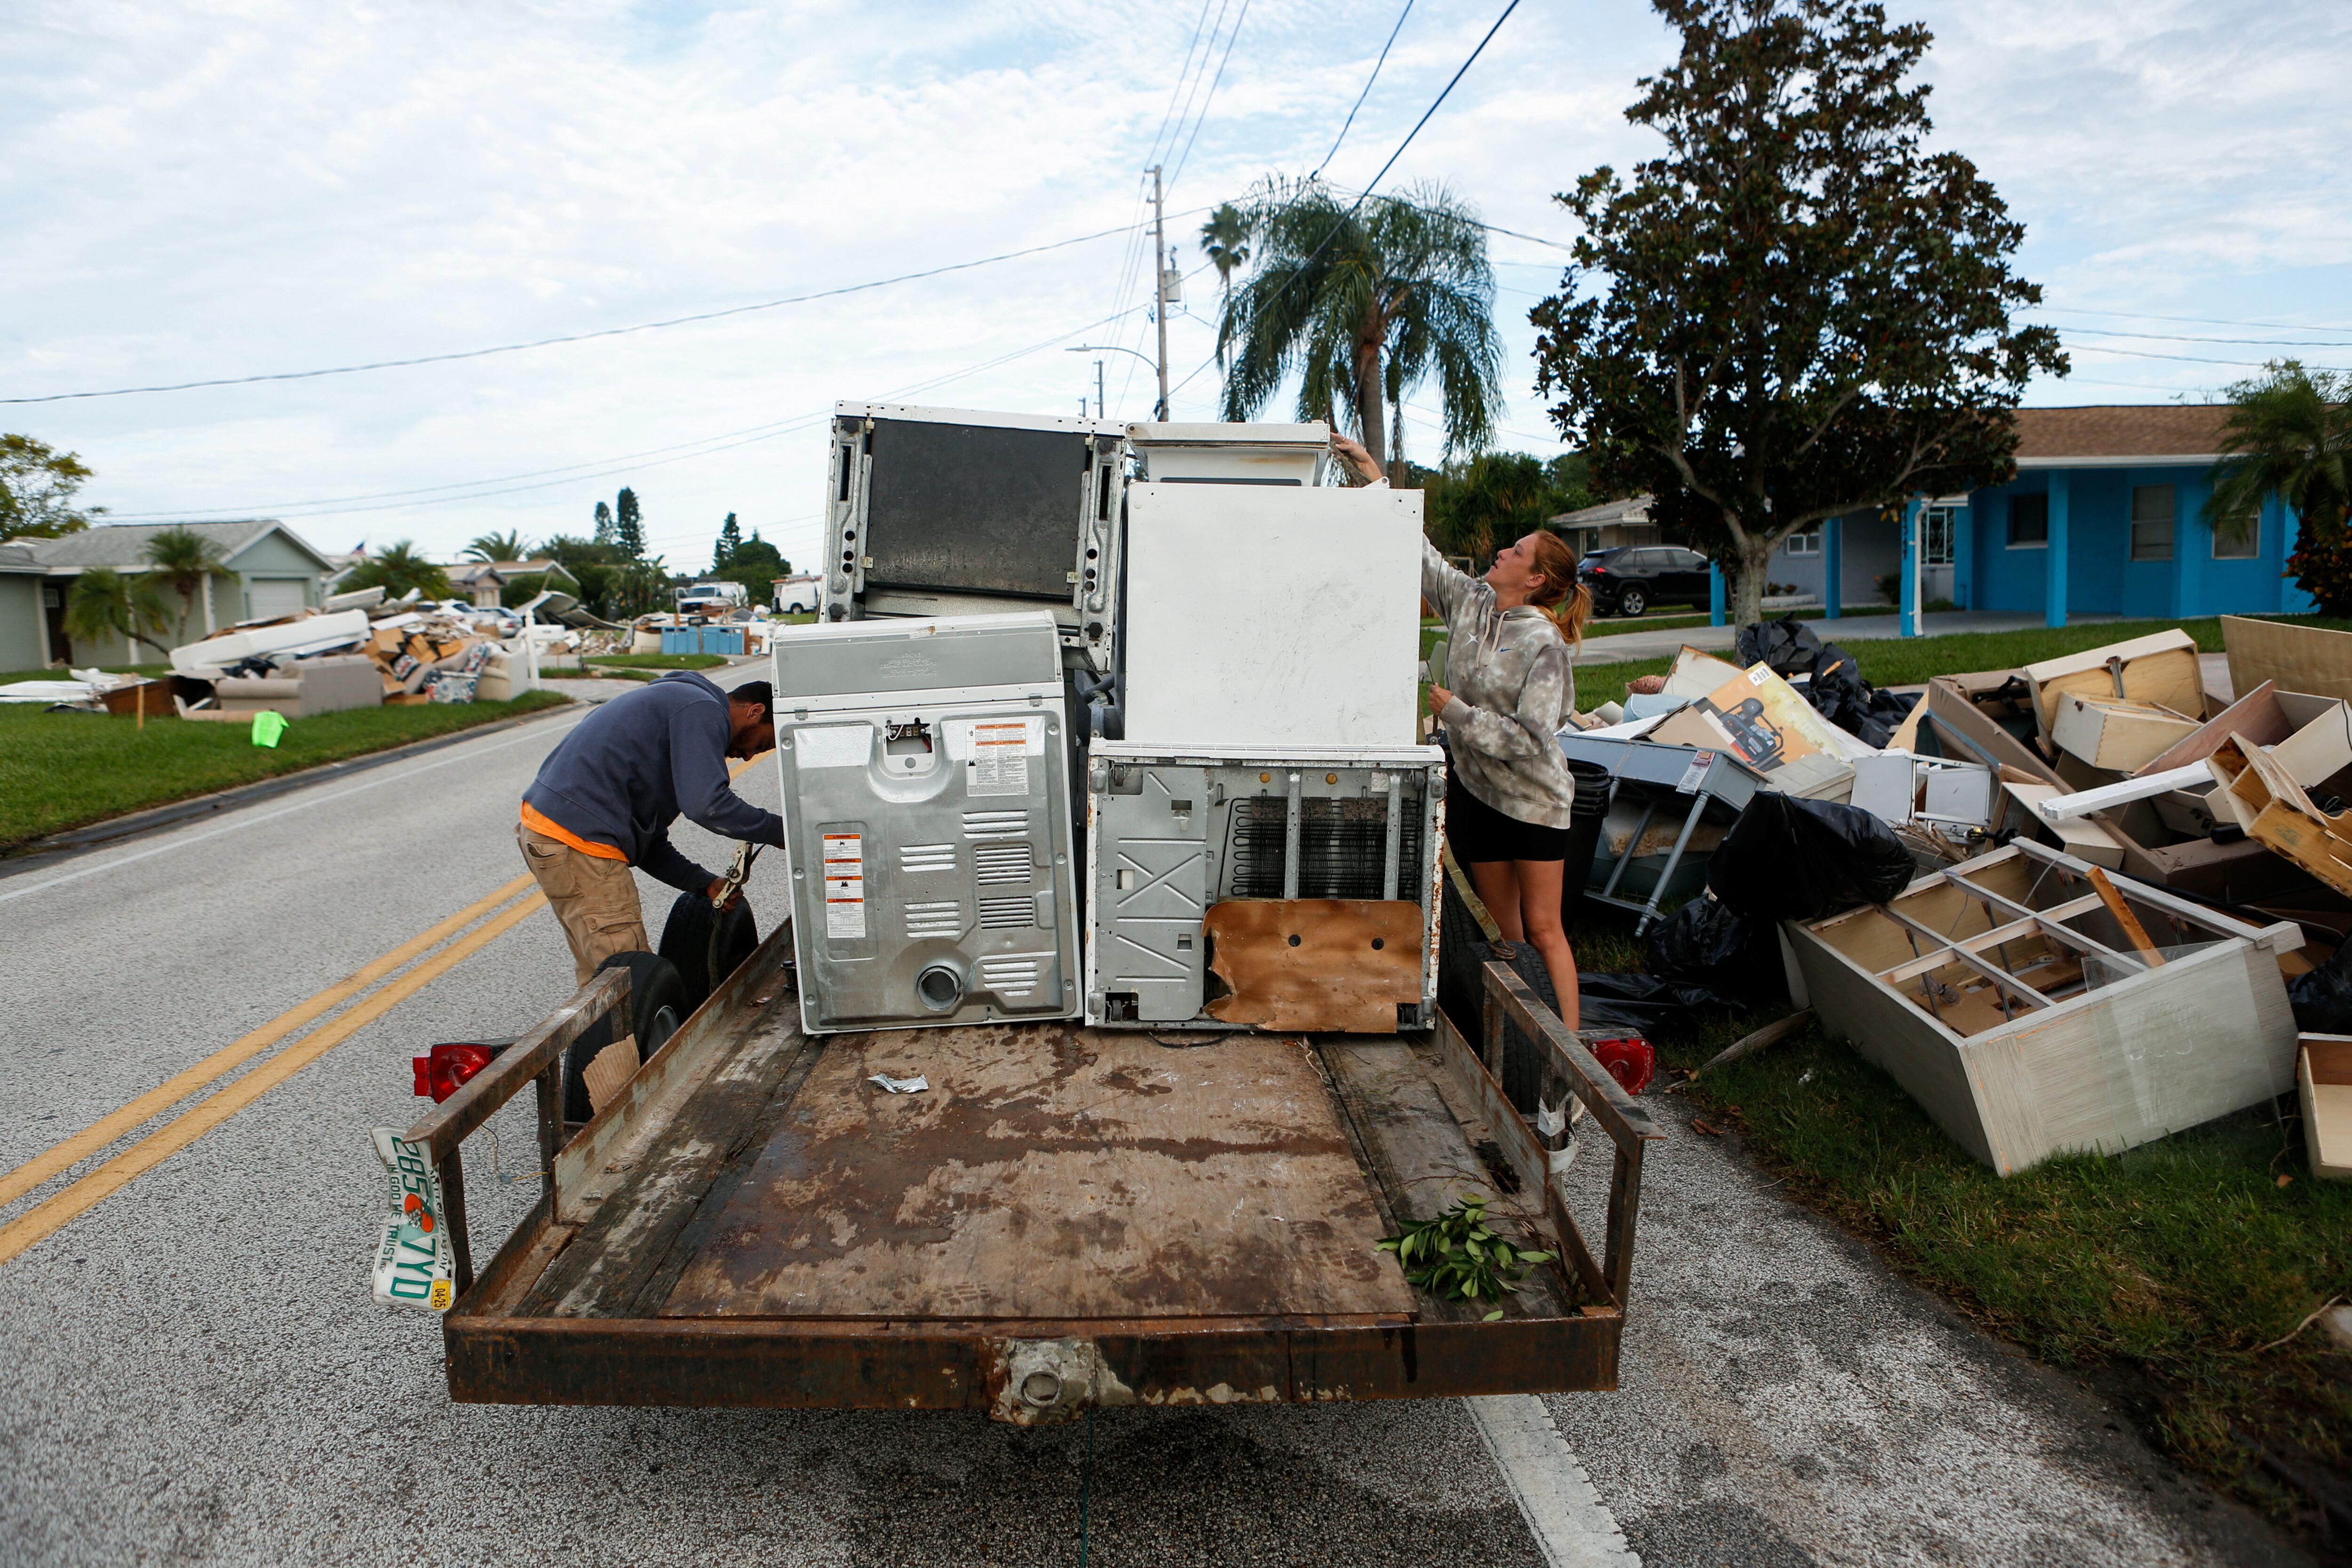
{"points": [[2106, 514]]}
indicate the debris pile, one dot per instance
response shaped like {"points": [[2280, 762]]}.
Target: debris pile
{"points": [[2099, 851]]}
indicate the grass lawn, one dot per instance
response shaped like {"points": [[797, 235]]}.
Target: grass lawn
{"points": [[657, 660], [2178, 1260], [60, 770]]}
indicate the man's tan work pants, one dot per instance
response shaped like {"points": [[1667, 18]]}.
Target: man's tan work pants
{"points": [[595, 899]]}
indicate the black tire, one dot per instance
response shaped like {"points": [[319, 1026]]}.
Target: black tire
{"points": [[1631, 601], [706, 945], [657, 1006]]}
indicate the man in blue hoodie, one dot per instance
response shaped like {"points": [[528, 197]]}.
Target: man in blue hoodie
{"points": [[605, 798]]}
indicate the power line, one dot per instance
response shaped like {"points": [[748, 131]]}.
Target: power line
{"points": [[1365, 195], [586, 337], [1367, 92], [2192, 320], [2191, 359], [2179, 338], [1223, 61], [1183, 72]]}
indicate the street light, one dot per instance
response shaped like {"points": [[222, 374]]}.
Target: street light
{"points": [[1116, 349]]}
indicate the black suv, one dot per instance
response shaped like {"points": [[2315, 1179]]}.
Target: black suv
{"points": [[1630, 579]]}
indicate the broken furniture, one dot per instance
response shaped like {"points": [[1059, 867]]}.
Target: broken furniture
{"points": [[2323, 1084], [2291, 657], [2008, 1000], [303, 689], [2160, 668], [1667, 780], [2261, 791]]}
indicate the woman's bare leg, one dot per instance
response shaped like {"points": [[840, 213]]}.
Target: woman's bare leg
{"points": [[1539, 885], [1498, 890]]}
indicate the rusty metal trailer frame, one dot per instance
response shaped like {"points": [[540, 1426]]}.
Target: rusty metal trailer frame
{"points": [[495, 1355]]}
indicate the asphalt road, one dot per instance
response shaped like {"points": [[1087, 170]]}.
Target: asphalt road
{"points": [[198, 1376]]}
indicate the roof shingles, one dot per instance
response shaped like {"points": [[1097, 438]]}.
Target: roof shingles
{"points": [[2121, 430]]}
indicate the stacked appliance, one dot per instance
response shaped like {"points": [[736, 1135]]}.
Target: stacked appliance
{"points": [[1262, 843], [1187, 620], [928, 819]]}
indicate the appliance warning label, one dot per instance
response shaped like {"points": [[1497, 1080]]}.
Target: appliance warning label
{"points": [[997, 762], [845, 885]]}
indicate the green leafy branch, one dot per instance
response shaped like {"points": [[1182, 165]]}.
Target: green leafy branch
{"points": [[1457, 1254]]}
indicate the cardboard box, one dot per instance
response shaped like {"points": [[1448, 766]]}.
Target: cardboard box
{"points": [[2293, 658]]}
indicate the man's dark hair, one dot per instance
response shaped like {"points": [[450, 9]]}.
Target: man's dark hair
{"points": [[759, 694]]}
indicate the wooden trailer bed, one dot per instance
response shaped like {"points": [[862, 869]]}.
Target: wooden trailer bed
{"points": [[1066, 1217]]}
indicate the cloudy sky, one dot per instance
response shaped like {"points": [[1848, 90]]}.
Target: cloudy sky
{"points": [[260, 186]]}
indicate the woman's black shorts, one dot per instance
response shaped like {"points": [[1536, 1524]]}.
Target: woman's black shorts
{"points": [[1479, 833]]}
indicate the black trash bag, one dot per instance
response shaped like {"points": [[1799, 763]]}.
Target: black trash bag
{"points": [[1706, 943], [1787, 646], [1643, 1004], [1788, 859], [2322, 998]]}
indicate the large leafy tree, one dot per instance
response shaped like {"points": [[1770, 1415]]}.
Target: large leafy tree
{"points": [[187, 563], [2289, 435], [38, 483], [396, 569], [604, 523], [1798, 311], [756, 564], [507, 546], [105, 603], [730, 539], [1363, 302]]}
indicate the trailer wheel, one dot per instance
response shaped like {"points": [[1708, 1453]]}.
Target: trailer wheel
{"points": [[706, 945], [658, 1005]]}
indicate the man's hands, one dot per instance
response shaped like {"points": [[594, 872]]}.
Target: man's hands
{"points": [[1438, 698], [719, 886]]}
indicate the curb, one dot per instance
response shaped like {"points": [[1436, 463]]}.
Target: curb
{"points": [[47, 852]]}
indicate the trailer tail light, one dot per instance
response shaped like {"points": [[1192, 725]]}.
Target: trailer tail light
{"points": [[1630, 1060], [444, 1071]]}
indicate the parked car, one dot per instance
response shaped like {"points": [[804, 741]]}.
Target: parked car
{"points": [[1630, 579]]}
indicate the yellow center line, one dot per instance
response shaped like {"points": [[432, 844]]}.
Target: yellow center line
{"points": [[170, 1092], [42, 1220]]}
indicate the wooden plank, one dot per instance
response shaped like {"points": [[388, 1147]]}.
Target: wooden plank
{"points": [[2256, 715], [1423, 1159], [2125, 918], [1050, 1172], [2293, 658], [1333, 963]]}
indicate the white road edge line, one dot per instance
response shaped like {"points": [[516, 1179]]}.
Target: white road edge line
{"points": [[458, 754], [1569, 1521]]}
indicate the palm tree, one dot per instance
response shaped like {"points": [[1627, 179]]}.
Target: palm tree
{"points": [[104, 603], [1225, 237], [498, 546], [2288, 434], [396, 569], [1363, 302], [187, 562]]}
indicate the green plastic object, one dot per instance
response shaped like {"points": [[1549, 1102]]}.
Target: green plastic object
{"points": [[267, 726]]}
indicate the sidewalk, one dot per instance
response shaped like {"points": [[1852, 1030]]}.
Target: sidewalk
{"points": [[1845, 628]]}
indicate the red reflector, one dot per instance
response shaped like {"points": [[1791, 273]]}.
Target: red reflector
{"points": [[446, 1069], [1630, 1060]]}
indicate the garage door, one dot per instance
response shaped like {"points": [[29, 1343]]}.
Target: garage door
{"points": [[274, 596]]}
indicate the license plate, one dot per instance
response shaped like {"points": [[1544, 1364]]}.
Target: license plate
{"points": [[415, 1264]]}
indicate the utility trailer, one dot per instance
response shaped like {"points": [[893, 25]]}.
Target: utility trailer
{"points": [[1068, 1217]]}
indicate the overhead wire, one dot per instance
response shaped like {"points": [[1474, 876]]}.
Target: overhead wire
{"points": [[581, 336], [1183, 72], [1369, 80], [1202, 118]]}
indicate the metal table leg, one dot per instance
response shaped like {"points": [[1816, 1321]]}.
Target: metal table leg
{"points": [[1673, 859]]}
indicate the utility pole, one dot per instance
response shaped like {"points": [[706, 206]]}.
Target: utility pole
{"points": [[1098, 388], [1159, 284]]}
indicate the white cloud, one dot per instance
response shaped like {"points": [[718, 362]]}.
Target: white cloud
{"points": [[198, 191]]}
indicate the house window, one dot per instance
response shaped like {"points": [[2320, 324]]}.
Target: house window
{"points": [[2151, 522], [1807, 541], [2245, 546], [2029, 522], [1935, 535]]}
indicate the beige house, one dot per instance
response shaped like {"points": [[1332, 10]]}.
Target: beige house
{"points": [[483, 581], [1607, 526], [273, 573]]}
